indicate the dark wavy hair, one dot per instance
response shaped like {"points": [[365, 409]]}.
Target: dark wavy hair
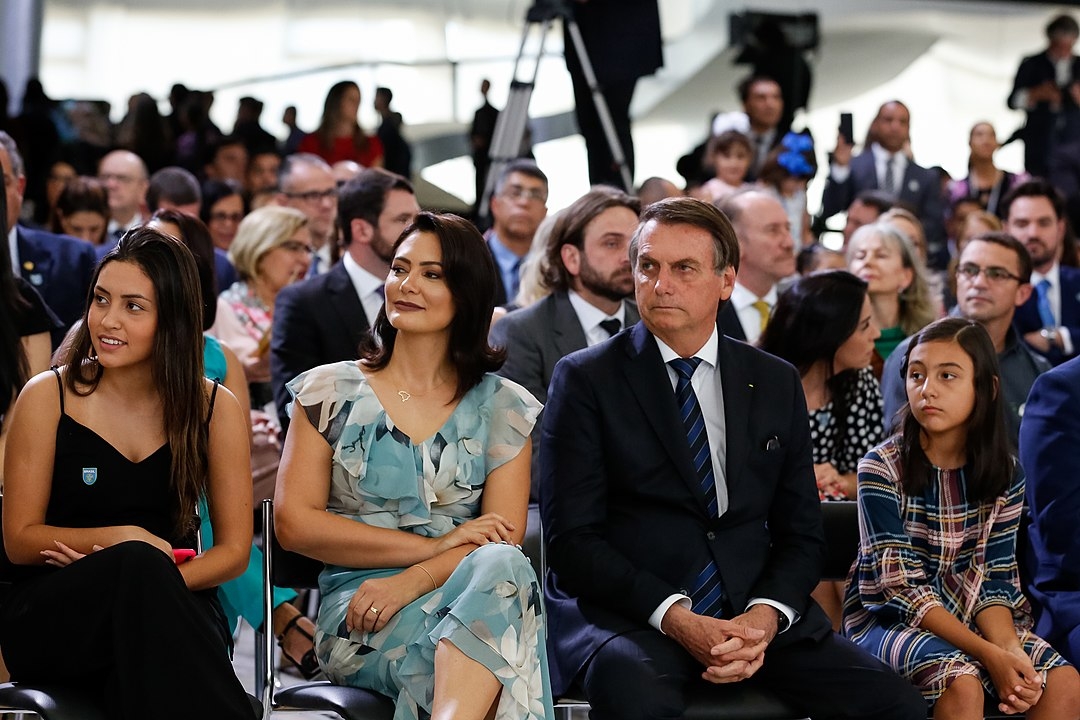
{"points": [[177, 357], [812, 319], [989, 448], [470, 275], [331, 114]]}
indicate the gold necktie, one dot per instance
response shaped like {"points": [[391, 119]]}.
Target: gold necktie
{"points": [[763, 310]]}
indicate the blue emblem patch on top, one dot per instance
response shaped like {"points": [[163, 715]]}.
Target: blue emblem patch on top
{"points": [[89, 475]]}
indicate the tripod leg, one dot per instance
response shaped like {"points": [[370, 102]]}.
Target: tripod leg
{"points": [[600, 104]]}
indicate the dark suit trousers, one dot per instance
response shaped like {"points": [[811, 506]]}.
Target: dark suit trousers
{"points": [[644, 675], [602, 167]]}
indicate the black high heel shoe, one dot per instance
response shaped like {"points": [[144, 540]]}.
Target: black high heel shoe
{"points": [[308, 665]]}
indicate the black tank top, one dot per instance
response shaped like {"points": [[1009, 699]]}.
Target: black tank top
{"points": [[94, 485]]}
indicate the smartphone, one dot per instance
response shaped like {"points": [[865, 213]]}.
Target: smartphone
{"points": [[847, 128]]}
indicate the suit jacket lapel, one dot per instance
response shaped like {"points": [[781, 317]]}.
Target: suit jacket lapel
{"points": [[738, 394], [346, 302], [648, 376], [568, 335], [35, 263]]}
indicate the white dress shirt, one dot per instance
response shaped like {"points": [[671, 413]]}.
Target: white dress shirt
{"points": [[710, 395], [368, 287], [591, 316], [881, 166]]}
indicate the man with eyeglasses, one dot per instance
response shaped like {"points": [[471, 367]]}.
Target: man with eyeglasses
{"points": [[518, 205], [307, 183], [1050, 319], [125, 177], [993, 278]]}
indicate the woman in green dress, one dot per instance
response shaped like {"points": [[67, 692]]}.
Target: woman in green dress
{"points": [[407, 473]]}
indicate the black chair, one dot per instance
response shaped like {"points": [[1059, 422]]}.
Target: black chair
{"points": [[283, 568]]}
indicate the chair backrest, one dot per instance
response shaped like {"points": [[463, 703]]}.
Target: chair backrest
{"points": [[287, 568], [841, 521]]}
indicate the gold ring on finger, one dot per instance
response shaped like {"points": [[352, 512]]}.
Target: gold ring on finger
{"points": [[373, 610]]}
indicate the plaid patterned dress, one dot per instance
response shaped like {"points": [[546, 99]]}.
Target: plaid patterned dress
{"points": [[933, 550]]}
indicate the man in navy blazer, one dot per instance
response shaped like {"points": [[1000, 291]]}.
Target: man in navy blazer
{"points": [[1049, 321], [636, 526], [59, 267], [884, 166], [323, 319], [1050, 456]]}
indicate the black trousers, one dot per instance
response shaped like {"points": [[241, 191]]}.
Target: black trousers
{"points": [[122, 625], [645, 675], [602, 167]]}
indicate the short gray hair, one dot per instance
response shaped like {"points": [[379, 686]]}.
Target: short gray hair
{"points": [[17, 168], [289, 164]]}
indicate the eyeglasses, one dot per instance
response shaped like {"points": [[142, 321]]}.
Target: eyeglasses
{"points": [[296, 247], [993, 273], [313, 196], [517, 192], [226, 217]]}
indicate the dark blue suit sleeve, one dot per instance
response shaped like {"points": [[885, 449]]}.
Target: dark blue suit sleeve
{"points": [[293, 345]]}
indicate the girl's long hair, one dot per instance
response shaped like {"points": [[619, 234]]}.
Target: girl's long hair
{"points": [[989, 451], [177, 358]]}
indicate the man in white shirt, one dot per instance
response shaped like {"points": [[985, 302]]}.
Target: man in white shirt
{"points": [[1050, 319], [766, 256], [589, 276], [322, 319]]}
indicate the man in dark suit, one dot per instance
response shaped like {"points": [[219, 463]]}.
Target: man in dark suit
{"points": [[518, 205], [885, 166], [1049, 320], [322, 320], [679, 503], [59, 267], [589, 276], [1050, 457], [1047, 88]]}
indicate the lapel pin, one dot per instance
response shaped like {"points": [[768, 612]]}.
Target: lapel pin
{"points": [[913, 186], [36, 279], [28, 265], [751, 385]]}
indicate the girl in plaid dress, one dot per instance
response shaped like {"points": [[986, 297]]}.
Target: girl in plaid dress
{"points": [[934, 592]]}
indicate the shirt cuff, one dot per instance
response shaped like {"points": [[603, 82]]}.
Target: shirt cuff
{"points": [[658, 614], [839, 173], [789, 613], [1066, 340]]}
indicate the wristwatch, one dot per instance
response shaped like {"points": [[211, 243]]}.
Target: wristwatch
{"points": [[781, 621], [1050, 335]]}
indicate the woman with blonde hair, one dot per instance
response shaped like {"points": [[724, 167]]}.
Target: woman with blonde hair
{"points": [[884, 257], [272, 249]]}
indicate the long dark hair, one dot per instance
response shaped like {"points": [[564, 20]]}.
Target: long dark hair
{"points": [[332, 112], [197, 238], [989, 451], [812, 319], [470, 276], [177, 357]]}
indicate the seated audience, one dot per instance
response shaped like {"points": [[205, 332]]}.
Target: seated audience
{"points": [[730, 154], [126, 178], [1049, 456], [935, 591], [307, 184], [272, 249], [518, 205], [993, 278], [882, 256], [683, 527], [905, 221], [103, 474], [817, 258], [866, 208], [173, 188], [407, 473], [823, 326], [82, 210], [656, 188]]}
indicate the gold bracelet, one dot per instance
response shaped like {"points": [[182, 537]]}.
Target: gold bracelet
{"points": [[434, 585]]}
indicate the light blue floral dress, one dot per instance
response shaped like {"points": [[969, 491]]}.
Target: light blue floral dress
{"points": [[490, 607]]}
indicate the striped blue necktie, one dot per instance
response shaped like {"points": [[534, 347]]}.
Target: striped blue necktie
{"points": [[707, 594], [1046, 312]]}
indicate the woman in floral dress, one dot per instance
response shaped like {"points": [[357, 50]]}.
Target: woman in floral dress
{"points": [[407, 473]]}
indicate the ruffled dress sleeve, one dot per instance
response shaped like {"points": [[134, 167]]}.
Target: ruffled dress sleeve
{"points": [[893, 582], [513, 412]]}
